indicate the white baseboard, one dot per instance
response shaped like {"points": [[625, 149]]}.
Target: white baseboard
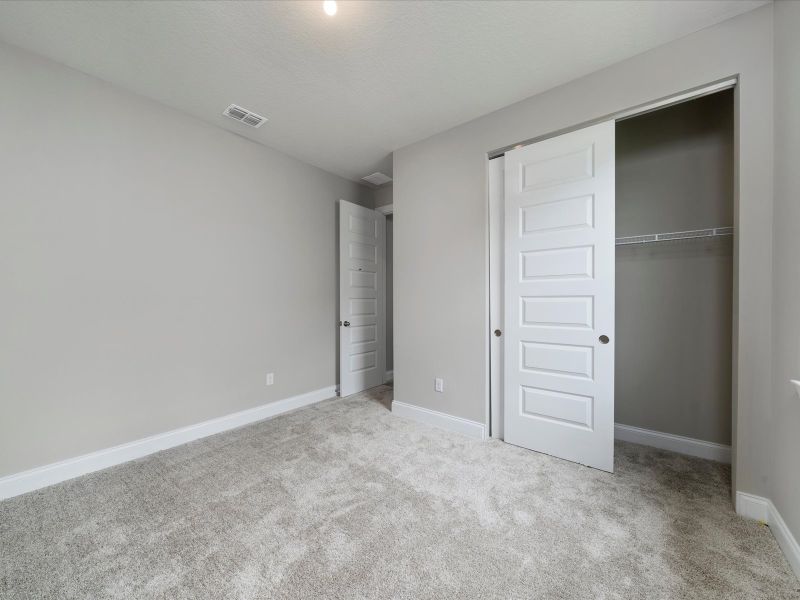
{"points": [[674, 443], [762, 509], [786, 540], [27, 481], [442, 420], [752, 507], [388, 376]]}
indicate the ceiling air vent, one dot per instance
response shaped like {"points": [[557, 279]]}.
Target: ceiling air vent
{"points": [[245, 116], [377, 178]]}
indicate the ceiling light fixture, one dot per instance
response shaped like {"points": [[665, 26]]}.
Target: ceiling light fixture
{"points": [[329, 6]]}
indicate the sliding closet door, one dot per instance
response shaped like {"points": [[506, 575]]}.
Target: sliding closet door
{"points": [[559, 296]]}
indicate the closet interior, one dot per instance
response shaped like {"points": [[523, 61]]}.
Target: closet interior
{"points": [[674, 270]]}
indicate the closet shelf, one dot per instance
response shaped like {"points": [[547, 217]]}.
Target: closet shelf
{"points": [[674, 235]]}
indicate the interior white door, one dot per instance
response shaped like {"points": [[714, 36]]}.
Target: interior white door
{"points": [[362, 300], [559, 296]]}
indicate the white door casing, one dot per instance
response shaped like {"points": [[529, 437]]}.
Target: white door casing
{"points": [[559, 296], [362, 297]]}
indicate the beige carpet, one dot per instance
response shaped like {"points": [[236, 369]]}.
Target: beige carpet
{"points": [[345, 500]]}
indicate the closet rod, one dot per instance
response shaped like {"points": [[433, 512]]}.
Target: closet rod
{"points": [[674, 235]]}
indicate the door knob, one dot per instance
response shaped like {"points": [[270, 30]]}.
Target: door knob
{"points": [[346, 323], [498, 333], [603, 339]]}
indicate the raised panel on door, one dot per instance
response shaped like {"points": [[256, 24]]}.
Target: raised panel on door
{"points": [[361, 301], [572, 410], [560, 360], [570, 312], [559, 296], [363, 280], [558, 214], [557, 263], [363, 307], [571, 163]]}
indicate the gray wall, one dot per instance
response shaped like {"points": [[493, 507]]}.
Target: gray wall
{"points": [[441, 213], [674, 172], [785, 412], [389, 293], [153, 268], [383, 196]]}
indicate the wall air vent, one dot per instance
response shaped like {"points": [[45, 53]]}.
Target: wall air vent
{"points": [[245, 116], [377, 178]]}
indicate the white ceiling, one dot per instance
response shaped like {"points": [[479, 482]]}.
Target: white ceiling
{"points": [[342, 93]]}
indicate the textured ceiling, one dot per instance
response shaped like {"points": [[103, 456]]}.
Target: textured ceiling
{"points": [[342, 93]]}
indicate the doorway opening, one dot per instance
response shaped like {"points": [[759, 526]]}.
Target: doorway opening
{"points": [[670, 326], [389, 377]]}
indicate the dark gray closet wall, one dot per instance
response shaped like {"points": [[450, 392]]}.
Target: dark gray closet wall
{"points": [[674, 299]]}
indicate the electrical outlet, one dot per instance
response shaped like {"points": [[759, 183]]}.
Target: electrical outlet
{"points": [[270, 378], [438, 384]]}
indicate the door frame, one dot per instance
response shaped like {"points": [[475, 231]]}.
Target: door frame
{"points": [[495, 177], [388, 374], [495, 246]]}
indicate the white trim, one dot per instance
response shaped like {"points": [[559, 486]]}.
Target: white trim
{"points": [[383, 324], [674, 443], [787, 542], [677, 99], [496, 276], [386, 209], [39, 477], [442, 420], [761, 509], [752, 507], [388, 376]]}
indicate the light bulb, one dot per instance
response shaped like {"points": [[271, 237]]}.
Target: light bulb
{"points": [[329, 6]]}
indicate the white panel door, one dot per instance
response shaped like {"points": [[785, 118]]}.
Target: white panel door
{"points": [[559, 296], [362, 269]]}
